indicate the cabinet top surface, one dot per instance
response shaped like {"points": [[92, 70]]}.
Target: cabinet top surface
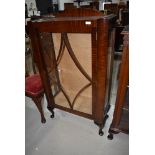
{"points": [[52, 19]]}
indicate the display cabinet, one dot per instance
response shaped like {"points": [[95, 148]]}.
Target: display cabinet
{"points": [[120, 122], [74, 55]]}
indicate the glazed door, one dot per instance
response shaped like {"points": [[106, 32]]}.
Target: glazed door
{"points": [[68, 63]]}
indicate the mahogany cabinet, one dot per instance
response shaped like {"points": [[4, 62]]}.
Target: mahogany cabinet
{"points": [[120, 122], [74, 55]]}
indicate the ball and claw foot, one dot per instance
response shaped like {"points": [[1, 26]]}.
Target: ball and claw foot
{"points": [[52, 116], [110, 136], [106, 116], [101, 133], [43, 121], [51, 110]]}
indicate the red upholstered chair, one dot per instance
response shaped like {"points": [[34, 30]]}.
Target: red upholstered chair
{"points": [[33, 84], [34, 89]]}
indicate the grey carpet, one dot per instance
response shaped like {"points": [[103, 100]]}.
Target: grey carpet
{"points": [[68, 134]]}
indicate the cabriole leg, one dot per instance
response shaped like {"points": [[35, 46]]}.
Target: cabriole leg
{"points": [[37, 101], [110, 136], [51, 110], [101, 133]]}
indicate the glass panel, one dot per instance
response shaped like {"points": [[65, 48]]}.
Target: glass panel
{"points": [[109, 68], [49, 59], [74, 68]]}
